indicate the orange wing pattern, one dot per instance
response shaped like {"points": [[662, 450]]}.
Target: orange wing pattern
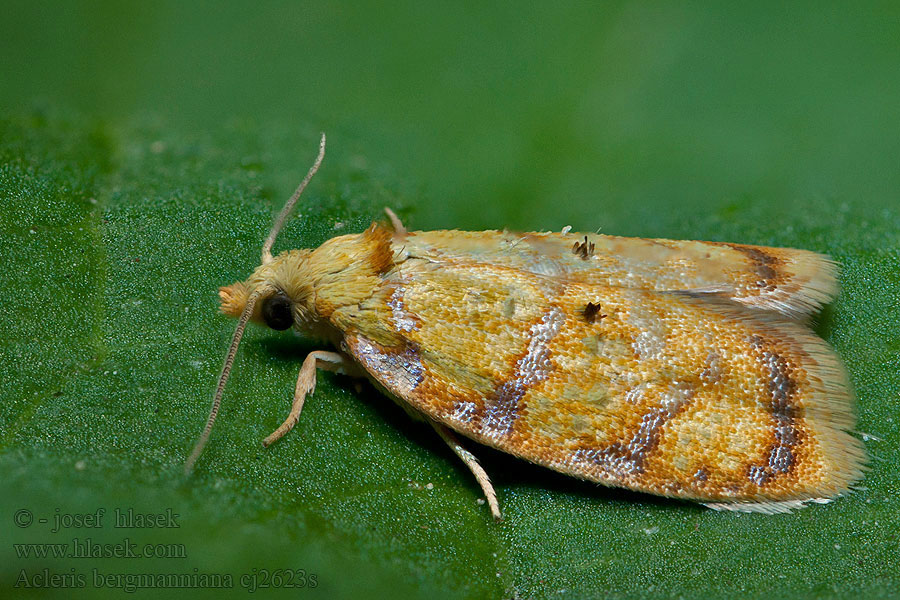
{"points": [[791, 282], [676, 393]]}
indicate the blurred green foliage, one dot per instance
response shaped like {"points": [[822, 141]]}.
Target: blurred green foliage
{"points": [[145, 149]]}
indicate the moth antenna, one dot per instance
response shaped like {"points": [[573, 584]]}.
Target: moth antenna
{"points": [[223, 378], [283, 215]]}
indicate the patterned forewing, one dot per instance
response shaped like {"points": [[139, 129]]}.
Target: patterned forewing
{"points": [[784, 280], [666, 393]]}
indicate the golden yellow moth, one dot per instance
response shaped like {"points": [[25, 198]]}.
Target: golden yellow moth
{"points": [[679, 368]]}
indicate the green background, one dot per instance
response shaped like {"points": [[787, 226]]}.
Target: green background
{"points": [[145, 149]]}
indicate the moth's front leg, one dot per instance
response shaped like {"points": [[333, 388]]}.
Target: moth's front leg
{"points": [[306, 384]]}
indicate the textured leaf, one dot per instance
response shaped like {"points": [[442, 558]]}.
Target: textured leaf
{"points": [[120, 219]]}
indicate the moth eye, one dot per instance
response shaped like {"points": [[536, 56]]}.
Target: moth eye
{"points": [[276, 312]]}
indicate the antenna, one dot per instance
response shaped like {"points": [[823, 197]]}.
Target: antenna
{"points": [[248, 311], [283, 215], [223, 378]]}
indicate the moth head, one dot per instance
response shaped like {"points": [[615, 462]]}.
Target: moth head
{"points": [[280, 291], [272, 307]]}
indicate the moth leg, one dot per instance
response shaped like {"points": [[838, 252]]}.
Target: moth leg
{"points": [[306, 384], [396, 223], [477, 470]]}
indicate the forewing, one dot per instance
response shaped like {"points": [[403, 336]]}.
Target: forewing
{"points": [[666, 393], [792, 282]]}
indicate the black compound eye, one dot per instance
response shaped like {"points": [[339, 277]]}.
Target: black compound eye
{"points": [[276, 312]]}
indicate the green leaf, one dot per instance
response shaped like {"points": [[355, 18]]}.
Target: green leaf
{"points": [[144, 151], [116, 242]]}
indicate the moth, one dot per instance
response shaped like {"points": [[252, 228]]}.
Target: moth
{"points": [[680, 368]]}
